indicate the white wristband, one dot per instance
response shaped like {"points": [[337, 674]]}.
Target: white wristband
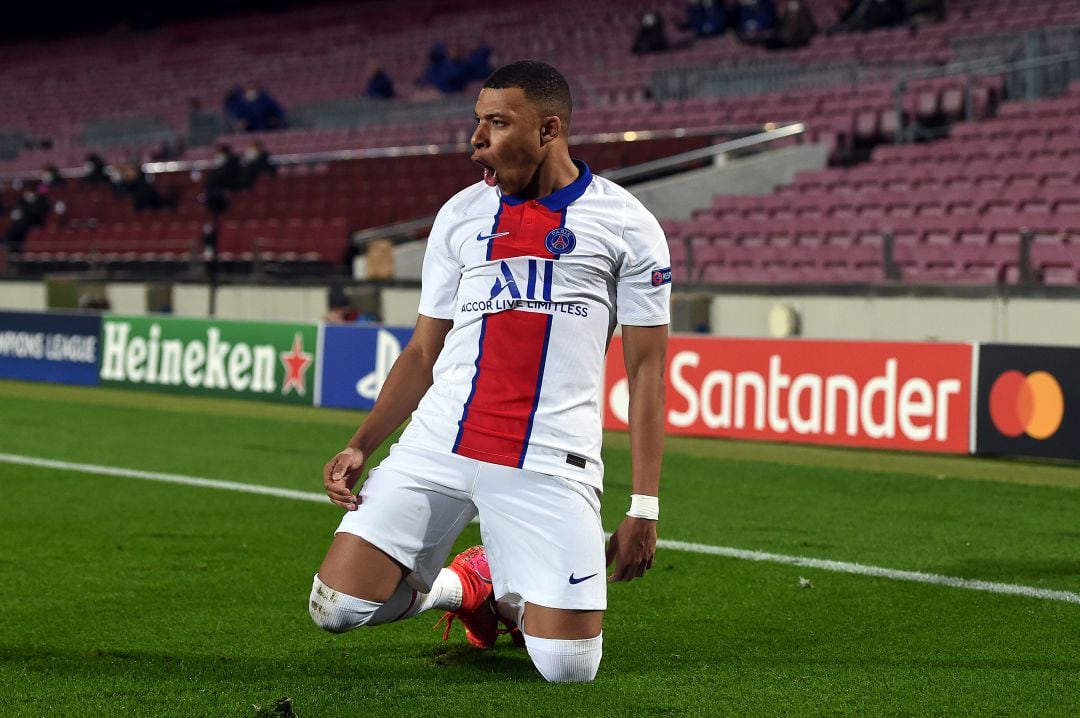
{"points": [[644, 507]]}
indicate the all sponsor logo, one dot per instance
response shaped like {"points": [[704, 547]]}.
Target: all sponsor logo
{"points": [[535, 286], [1027, 401], [254, 360], [527, 285], [1027, 404], [890, 395]]}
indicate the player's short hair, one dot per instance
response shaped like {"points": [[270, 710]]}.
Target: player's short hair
{"points": [[543, 85]]}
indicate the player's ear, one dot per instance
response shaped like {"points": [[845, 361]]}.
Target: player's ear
{"points": [[550, 129]]}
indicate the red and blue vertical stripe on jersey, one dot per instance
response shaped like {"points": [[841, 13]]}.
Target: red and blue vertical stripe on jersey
{"points": [[497, 420]]}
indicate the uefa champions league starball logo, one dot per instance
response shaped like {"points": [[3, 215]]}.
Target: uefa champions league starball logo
{"points": [[560, 241]]}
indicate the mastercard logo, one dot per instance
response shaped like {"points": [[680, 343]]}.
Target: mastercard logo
{"points": [[1031, 404]]}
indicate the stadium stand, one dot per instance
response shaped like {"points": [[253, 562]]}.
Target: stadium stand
{"points": [[956, 210], [952, 209], [304, 214], [320, 54]]}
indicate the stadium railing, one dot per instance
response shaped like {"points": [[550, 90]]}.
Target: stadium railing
{"points": [[1026, 79], [416, 229]]}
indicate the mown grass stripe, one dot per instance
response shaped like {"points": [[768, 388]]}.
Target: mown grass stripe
{"points": [[725, 551]]}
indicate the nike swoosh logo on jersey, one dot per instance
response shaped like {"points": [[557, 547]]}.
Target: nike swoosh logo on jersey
{"points": [[484, 238], [579, 580]]}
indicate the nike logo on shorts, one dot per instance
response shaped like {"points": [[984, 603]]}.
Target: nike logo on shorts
{"points": [[484, 238], [575, 581]]}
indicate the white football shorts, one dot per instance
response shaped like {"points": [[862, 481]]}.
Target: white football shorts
{"points": [[543, 535]]}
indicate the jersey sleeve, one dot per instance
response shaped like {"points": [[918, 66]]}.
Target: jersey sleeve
{"points": [[644, 284], [441, 271]]}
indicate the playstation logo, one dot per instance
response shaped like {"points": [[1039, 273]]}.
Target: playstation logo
{"points": [[387, 350]]}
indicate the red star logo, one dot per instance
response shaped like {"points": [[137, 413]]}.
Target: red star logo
{"points": [[296, 362]]}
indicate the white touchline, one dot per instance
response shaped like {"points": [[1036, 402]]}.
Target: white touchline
{"points": [[726, 551], [876, 571], [165, 478]]}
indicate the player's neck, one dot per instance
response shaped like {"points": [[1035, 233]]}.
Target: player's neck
{"points": [[551, 176]]}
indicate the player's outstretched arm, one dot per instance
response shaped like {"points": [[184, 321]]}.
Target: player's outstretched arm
{"points": [[633, 544], [405, 385]]}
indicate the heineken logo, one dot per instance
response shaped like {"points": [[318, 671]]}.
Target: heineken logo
{"points": [[202, 359]]}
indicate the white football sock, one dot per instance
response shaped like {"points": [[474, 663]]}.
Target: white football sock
{"points": [[338, 612], [445, 593], [563, 661]]}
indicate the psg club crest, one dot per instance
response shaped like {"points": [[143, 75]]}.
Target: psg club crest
{"points": [[560, 241]]}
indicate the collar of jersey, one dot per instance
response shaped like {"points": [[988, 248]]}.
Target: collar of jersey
{"points": [[557, 201]]}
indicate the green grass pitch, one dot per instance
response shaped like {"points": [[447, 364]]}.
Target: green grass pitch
{"points": [[123, 597]]}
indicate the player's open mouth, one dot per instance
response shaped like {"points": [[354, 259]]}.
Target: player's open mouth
{"points": [[490, 174]]}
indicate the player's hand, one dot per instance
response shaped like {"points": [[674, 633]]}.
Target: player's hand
{"points": [[340, 476], [632, 548]]}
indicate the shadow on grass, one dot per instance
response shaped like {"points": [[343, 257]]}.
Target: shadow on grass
{"points": [[456, 663], [1005, 569]]}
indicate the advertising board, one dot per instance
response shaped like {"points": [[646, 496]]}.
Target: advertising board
{"points": [[252, 360], [871, 394], [1028, 401], [50, 346]]}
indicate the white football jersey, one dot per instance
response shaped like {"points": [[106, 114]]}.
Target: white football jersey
{"points": [[535, 289]]}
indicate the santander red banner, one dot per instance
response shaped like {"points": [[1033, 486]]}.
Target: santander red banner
{"points": [[872, 394]]}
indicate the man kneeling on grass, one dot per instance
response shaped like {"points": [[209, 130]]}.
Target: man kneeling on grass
{"points": [[525, 276]]}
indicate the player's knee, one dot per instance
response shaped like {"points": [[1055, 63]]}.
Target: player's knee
{"points": [[566, 661], [337, 612]]}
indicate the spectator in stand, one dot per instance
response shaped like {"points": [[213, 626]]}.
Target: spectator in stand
{"points": [[133, 183], [203, 125], [339, 308], [864, 15], [651, 36], [436, 59], [706, 18], [30, 212], [210, 243], [444, 72], [226, 169], [452, 76], [478, 63], [921, 12], [380, 85], [694, 16], [168, 150], [755, 20], [253, 109], [95, 170], [233, 102], [450, 73], [254, 162], [52, 179], [222, 179], [50, 176], [797, 27]]}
